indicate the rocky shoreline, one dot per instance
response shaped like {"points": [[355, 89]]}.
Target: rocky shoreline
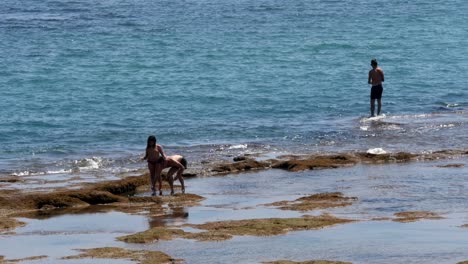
{"points": [[127, 196]]}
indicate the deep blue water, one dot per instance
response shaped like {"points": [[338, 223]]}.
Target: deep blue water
{"points": [[82, 79]]}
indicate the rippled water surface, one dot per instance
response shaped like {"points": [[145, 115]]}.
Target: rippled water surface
{"points": [[84, 83]]}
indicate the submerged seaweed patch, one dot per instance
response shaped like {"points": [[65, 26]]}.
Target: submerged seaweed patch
{"points": [[270, 226], [405, 217], [315, 201], [179, 198], [208, 236], [9, 224], [224, 230], [306, 262], [2, 260], [152, 235], [141, 256]]}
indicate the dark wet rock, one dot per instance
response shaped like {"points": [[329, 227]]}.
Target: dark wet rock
{"points": [[124, 186], [387, 157], [316, 162], [453, 165], [72, 198], [300, 163], [240, 158], [189, 175], [244, 165], [96, 197], [10, 179], [51, 201]]}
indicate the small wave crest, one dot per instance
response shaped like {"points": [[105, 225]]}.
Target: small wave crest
{"points": [[64, 167], [240, 146], [87, 164], [36, 173], [376, 151]]}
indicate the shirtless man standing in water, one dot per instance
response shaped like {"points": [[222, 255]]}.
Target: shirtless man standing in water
{"points": [[376, 78]]}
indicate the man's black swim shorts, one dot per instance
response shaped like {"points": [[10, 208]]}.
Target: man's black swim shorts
{"points": [[376, 92]]}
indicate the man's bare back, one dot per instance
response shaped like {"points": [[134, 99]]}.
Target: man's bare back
{"points": [[177, 164], [376, 76]]}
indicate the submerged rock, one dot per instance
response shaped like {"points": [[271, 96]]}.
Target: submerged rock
{"points": [[453, 165], [2, 260], [306, 262], [315, 201], [244, 165], [412, 216], [7, 224], [316, 162], [223, 230], [270, 226], [141, 256]]}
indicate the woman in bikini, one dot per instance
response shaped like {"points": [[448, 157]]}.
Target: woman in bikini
{"points": [[156, 162]]}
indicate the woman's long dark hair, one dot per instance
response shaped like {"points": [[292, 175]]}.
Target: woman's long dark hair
{"points": [[151, 139]]}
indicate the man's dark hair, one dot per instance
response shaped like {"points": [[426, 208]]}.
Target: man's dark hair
{"points": [[373, 62], [183, 161]]}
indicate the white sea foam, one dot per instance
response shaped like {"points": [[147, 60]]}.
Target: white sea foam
{"points": [[88, 163], [36, 173], [376, 151], [240, 146]]}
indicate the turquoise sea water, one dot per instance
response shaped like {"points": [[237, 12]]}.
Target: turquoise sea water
{"points": [[83, 83]]}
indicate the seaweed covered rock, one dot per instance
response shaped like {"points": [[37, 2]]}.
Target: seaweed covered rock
{"points": [[242, 165], [316, 162]]}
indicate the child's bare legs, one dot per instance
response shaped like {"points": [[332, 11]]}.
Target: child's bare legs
{"points": [[170, 179], [181, 179], [152, 171], [179, 169]]}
